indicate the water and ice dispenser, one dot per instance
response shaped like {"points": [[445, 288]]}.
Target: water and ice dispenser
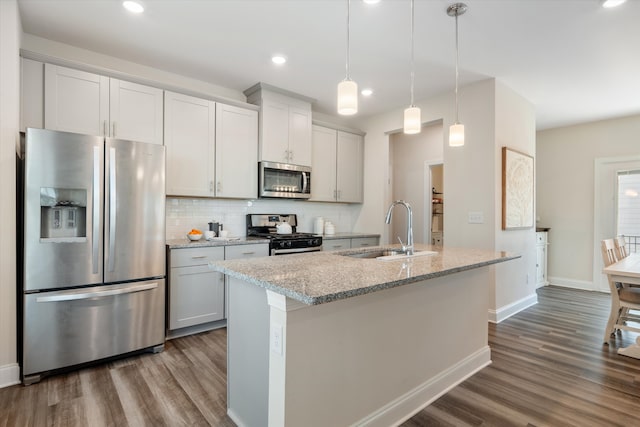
{"points": [[63, 213]]}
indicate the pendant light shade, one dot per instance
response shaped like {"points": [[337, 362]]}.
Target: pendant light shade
{"points": [[348, 89], [347, 97], [456, 135], [456, 131], [412, 119]]}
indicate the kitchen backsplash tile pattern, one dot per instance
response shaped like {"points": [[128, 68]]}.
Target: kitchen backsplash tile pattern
{"points": [[183, 214]]}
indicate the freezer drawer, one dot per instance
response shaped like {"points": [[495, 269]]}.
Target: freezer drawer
{"points": [[66, 328]]}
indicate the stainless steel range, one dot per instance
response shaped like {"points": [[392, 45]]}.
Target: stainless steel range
{"points": [[282, 234]]}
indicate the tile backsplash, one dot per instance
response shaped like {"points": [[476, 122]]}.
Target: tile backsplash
{"points": [[183, 214]]}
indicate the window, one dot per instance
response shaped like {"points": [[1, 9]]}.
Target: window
{"points": [[628, 216]]}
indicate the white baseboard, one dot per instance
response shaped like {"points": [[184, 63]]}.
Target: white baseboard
{"points": [[497, 316], [406, 406], [9, 375], [572, 283]]}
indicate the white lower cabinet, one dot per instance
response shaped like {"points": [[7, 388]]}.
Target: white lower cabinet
{"points": [[363, 242], [349, 243], [196, 293], [541, 258]]}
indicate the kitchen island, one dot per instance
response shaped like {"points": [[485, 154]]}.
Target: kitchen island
{"points": [[330, 339]]}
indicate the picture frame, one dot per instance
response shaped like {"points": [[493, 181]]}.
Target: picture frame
{"points": [[517, 190]]}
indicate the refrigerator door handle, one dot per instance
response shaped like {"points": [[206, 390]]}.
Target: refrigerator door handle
{"points": [[95, 247], [112, 208], [73, 296]]}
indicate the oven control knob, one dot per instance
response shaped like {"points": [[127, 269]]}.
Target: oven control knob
{"points": [[285, 244], [314, 242]]}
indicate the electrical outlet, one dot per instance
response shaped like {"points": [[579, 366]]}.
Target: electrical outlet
{"points": [[476, 218], [276, 338]]}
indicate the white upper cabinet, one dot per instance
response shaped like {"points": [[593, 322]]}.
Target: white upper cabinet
{"points": [[82, 102], [323, 167], [236, 152], [300, 135], [349, 169], [285, 124], [75, 101], [135, 111], [337, 169], [189, 128]]}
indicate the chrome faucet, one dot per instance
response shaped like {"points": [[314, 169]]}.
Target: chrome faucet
{"points": [[408, 248]]}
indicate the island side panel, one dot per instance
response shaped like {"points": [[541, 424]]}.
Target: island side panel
{"points": [[247, 354], [378, 358]]}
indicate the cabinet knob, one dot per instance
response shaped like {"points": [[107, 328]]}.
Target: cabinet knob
{"points": [[211, 186]]}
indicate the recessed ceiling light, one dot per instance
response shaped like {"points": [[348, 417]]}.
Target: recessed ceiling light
{"points": [[371, 1], [366, 92], [612, 3], [278, 59], [133, 6]]}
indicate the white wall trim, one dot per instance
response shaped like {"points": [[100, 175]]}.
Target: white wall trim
{"points": [[395, 412], [502, 313], [9, 375], [573, 283]]}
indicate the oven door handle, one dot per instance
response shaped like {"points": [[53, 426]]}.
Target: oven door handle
{"points": [[295, 251]]}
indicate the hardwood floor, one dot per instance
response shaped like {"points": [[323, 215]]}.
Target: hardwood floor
{"points": [[549, 369]]}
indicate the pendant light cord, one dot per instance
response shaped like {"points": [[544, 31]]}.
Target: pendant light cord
{"points": [[412, 56], [457, 67], [348, 77]]}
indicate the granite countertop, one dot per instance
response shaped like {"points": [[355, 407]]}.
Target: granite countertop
{"points": [[348, 236], [186, 243], [321, 277]]}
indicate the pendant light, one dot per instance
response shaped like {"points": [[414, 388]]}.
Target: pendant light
{"points": [[348, 89], [456, 130], [412, 121]]}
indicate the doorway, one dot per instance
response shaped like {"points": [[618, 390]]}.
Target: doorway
{"points": [[606, 208], [434, 198], [409, 158]]}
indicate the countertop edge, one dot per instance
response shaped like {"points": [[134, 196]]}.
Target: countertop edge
{"points": [[202, 243], [308, 300]]}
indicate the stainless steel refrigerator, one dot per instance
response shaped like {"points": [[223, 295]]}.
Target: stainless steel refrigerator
{"points": [[93, 275]]}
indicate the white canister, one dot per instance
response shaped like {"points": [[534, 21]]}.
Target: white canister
{"points": [[318, 225], [329, 228]]}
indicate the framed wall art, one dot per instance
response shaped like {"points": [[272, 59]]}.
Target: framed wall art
{"points": [[517, 190]]}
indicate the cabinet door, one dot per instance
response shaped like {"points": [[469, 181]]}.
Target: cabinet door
{"points": [[189, 131], [135, 111], [299, 136], [236, 152], [323, 164], [349, 170], [75, 101], [196, 295], [335, 244], [274, 145]]}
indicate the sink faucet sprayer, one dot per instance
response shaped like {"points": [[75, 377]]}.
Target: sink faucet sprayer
{"points": [[408, 248]]}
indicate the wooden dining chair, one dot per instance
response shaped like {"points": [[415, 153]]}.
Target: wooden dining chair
{"points": [[623, 298], [621, 247]]}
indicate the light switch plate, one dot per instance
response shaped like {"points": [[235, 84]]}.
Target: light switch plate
{"points": [[476, 218]]}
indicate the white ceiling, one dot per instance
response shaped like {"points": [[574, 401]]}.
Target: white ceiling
{"points": [[574, 60]]}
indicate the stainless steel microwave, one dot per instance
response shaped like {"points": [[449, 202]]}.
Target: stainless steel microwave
{"points": [[282, 180]]}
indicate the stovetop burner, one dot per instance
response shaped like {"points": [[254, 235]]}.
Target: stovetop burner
{"points": [[265, 226]]}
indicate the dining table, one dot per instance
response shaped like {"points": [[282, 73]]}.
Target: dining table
{"points": [[627, 271]]}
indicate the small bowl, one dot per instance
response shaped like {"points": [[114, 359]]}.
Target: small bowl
{"points": [[194, 237]]}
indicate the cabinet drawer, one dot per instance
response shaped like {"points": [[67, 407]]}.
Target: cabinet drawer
{"points": [[335, 244], [363, 242], [541, 237], [195, 256], [246, 251]]}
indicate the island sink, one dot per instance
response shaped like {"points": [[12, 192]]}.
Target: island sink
{"points": [[388, 254]]}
